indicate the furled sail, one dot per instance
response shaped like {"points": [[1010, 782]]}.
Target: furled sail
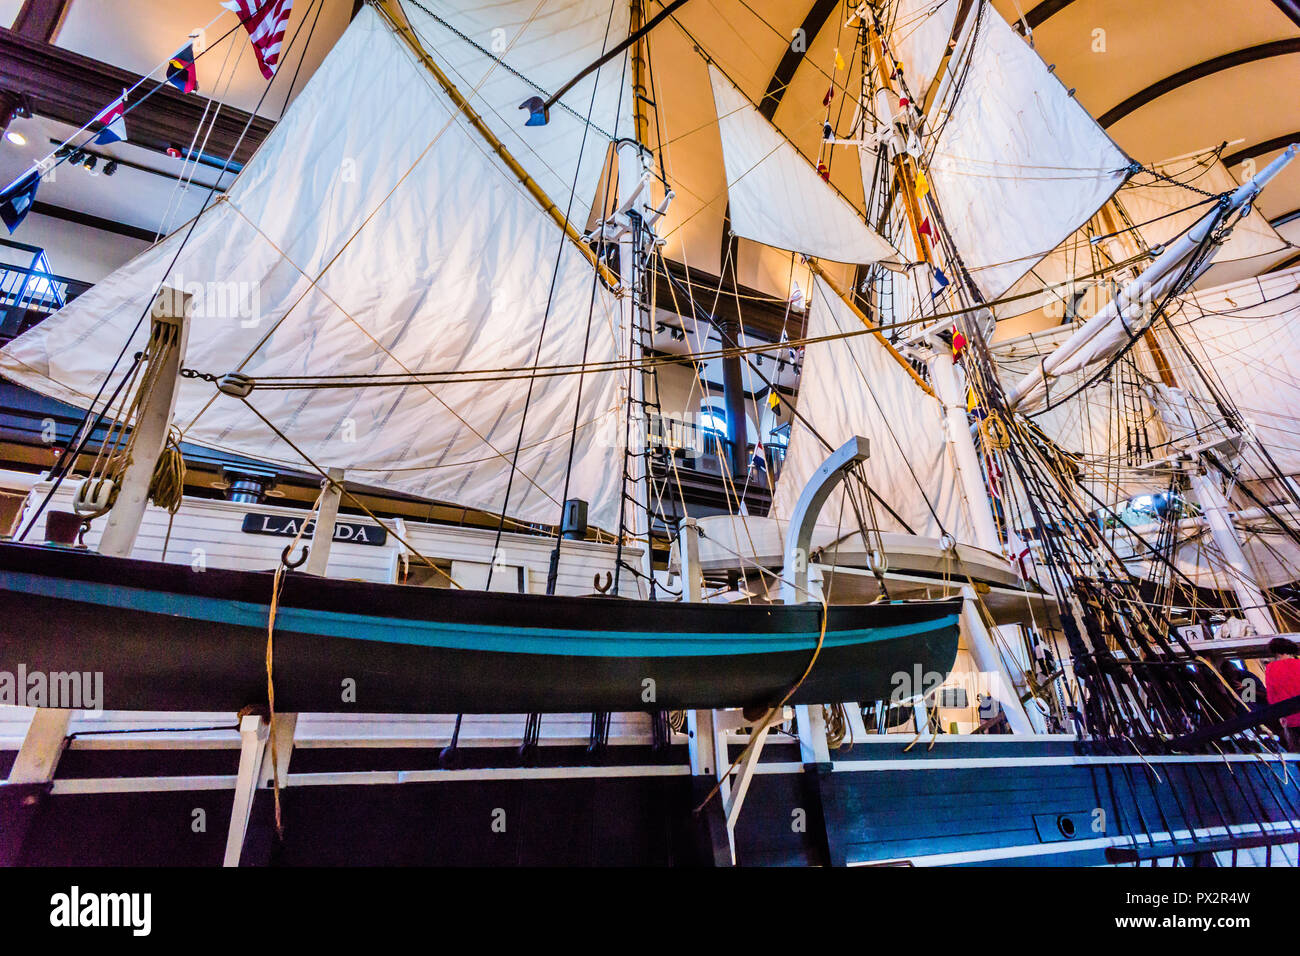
{"points": [[1017, 163], [500, 54], [1111, 330], [1246, 335], [1158, 211], [853, 386], [776, 197], [373, 233]]}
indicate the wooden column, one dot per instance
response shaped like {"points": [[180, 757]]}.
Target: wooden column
{"points": [[733, 396]]}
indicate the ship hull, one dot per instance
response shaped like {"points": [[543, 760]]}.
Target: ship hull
{"points": [[168, 637]]}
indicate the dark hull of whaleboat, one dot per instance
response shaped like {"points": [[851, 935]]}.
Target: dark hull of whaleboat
{"points": [[166, 637]]}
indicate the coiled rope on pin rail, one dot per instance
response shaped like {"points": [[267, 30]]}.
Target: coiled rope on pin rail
{"points": [[167, 486]]}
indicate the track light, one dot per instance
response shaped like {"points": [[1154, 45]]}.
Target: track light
{"points": [[91, 161], [110, 167]]}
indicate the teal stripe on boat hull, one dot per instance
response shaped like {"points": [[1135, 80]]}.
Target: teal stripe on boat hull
{"points": [[503, 639]]}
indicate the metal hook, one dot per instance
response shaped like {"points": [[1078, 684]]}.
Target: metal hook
{"points": [[609, 582], [302, 558]]}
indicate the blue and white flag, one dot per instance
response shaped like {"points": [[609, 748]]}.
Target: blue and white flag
{"points": [[17, 198], [114, 120]]}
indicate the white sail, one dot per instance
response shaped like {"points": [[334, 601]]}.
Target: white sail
{"points": [[1178, 266], [495, 52], [1158, 211], [853, 386], [917, 37], [1019, 164], [373, 232], [776, 197], [1247, 336], [1107, 435]]}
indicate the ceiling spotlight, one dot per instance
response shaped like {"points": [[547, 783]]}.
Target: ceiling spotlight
{"points": [[91, 161], [15, 137], [110, 167]]}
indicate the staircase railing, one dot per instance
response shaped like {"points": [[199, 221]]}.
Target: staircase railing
{"points": [[29, 291]]}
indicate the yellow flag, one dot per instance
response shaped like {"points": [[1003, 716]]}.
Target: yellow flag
{"points": [[922, 184], [773, 400], [839, 60]]}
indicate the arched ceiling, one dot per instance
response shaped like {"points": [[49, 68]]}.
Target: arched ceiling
{"points": [[1165, 77], [1169, 76]]}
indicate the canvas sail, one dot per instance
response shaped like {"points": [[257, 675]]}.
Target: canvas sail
{"points": [[853, 386], [1246, 335], [918, 37], [373, 232], [500, 54], [1158, 210], [1017, 164], [776, 197], [1105, 433]]}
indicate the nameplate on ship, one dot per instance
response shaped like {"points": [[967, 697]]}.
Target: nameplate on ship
{"points": [[286, 526]]}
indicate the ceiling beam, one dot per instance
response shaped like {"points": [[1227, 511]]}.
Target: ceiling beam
{"points": [[1285, 264], [93, 222], [1291, 8], [41, 19], [71, 88], [785, 70], [1285, 218], [1218, 64], [1261, 149], [1041, 12]]}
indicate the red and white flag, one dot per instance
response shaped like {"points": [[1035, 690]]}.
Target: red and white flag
{"points": [[1020, 554], [265, 21]]}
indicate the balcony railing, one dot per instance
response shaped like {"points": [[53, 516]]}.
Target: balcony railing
{"points": [[29, 291]]}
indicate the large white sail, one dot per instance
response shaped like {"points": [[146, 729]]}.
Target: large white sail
{"points": [[776, 197], [495, 52], [853, 386], [1245, 337], [1018, 164], [373, 232]]}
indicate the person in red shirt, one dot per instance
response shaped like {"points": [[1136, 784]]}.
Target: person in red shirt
{"points": [[1282, 682]]}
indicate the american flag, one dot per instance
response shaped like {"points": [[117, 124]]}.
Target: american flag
{"points": [[265, 21]]}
